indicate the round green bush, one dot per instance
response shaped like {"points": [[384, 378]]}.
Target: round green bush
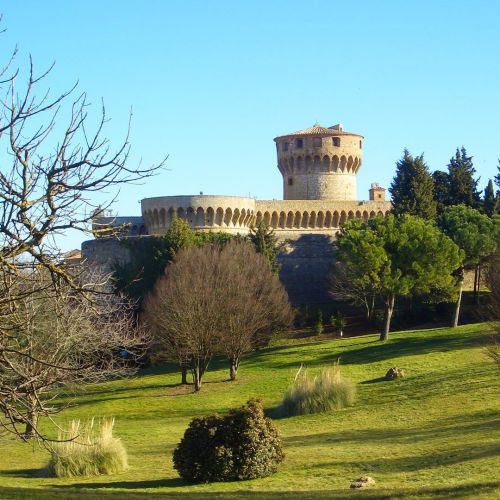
{"points": [[242, 445]]}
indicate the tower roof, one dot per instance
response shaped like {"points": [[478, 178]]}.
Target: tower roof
{"points": [[320, 131]]}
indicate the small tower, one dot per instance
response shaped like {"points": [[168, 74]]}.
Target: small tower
{"points": [[319, 163], [376, 192]]}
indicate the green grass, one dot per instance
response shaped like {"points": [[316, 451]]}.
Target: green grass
{"points": [[435, 433]]}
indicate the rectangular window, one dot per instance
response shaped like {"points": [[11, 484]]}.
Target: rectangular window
{"points": [[285, 146], [290, 181], [299, 143], [336, 141]]}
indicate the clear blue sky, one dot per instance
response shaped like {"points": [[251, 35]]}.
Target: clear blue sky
{"points": [[212, 82]]}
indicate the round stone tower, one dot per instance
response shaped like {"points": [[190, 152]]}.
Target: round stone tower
{"points": [[319, 163]]}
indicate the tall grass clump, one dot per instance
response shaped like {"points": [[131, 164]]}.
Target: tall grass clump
{"points": [[87, 450], [315, 394]]}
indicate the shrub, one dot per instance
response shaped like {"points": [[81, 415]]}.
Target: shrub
{"points": [[324, 392], [242, 445], [87, 451], [318, 326]]}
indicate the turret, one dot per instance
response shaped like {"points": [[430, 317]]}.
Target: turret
{"points": [[319, 163]]}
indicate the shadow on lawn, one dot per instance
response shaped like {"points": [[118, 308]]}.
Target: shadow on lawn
{"points": [[483, 489], [376, 351], [479, 422]]}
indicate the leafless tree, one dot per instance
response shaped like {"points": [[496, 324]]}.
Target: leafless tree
{"points": [[52, 162], [55, 341], [216, 300], [255, 305], [359, 290]]}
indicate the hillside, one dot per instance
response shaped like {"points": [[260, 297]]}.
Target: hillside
{"points": [[435, 433]]}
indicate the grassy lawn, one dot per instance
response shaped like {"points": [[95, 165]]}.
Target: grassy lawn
{"points": [[435, 433]]}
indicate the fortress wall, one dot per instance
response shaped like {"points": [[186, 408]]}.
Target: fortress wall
{"points": [[103, 227], [305, 268], [314, 216], [104, 253], [232, 214], [322, 186]]}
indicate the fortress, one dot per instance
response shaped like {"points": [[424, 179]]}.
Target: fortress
{"points": [[319, 166]]}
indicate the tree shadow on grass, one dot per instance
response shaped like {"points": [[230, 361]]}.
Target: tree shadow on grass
{"points": [[485, 489], [24, 473], [406, 346], [446, 428]]}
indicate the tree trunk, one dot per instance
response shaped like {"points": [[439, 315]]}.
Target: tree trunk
{"points": [[478, 283], [184, 371], [198, 368], [372, 308], [29, 432], [476, 269], [234, 363], [197, 377], [388, 315], [456, 314]]}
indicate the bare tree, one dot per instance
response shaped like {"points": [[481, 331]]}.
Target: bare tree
{"points": [[216, 300], [49, 171], [55, 341], [349, 285], [255, 303]]}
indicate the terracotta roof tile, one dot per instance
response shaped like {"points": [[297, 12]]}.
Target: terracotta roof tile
{"points": [[318, 130]]}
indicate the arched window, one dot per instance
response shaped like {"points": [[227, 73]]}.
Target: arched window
{"points": [[336, 141]]}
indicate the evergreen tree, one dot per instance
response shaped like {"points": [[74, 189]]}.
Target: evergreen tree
{"points": [[412, 188], [265, 242], [441, 189], [399, 257], [462, 185], [490, 202], [476, 235], [497, 179]]}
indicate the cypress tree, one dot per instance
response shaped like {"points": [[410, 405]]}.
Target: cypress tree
{"points": [[463, 187], [441, 189], [412, 188], [490, 201]]}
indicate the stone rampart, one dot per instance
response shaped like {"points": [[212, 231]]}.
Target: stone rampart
{"points": [[232, 214]]}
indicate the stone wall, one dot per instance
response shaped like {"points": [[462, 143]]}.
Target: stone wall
{"points": [[232, 214], [305, 268], [104, 253], [290, 218]]}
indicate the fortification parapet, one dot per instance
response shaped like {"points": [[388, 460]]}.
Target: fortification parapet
{"points": [[232, 214], [109, 226]]}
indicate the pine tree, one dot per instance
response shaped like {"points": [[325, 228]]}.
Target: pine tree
{"points": [[463, 186], [412, 188], [490, 201]]}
